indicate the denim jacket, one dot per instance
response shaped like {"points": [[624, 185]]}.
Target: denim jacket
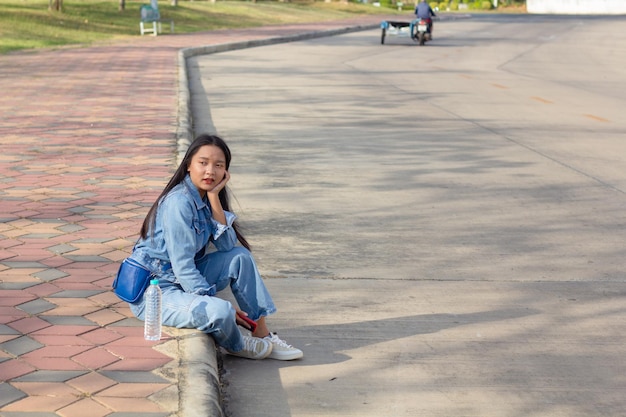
{"points": [[183, 229]]}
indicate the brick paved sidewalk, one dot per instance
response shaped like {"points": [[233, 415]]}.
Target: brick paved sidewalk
{"points": [[88, 142]]}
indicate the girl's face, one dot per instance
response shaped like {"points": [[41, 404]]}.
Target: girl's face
{"points": [[207, 168]]}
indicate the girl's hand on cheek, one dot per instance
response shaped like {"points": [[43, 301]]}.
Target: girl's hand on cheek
{"points": [[214, 199], [220, 185]]}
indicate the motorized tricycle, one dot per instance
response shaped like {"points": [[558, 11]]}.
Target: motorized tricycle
{"points": [[418, 30]]}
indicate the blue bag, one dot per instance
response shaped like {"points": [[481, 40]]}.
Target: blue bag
{"points": [[131, 281]]}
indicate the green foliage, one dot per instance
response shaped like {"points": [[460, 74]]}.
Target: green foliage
{"points": [[454, 5], [396, 4], [480, 5], [443, 5]]}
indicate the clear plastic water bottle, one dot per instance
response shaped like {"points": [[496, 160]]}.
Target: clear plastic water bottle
{"points": [[152, 318]]}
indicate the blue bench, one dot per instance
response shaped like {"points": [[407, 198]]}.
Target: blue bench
{"points": [[151, 20]]}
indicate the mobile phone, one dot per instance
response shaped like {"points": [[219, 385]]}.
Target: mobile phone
{"points": [[251, 323]]}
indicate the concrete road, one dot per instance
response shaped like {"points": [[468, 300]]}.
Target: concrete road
{"points": [[442, 227]]}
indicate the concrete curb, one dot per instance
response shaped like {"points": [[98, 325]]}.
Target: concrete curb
{"points": [[199, 383]]}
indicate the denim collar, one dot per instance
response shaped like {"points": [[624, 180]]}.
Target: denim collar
{"points": [[193, 190]]}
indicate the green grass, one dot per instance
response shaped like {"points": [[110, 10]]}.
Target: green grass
{"points": [[26, 24]]}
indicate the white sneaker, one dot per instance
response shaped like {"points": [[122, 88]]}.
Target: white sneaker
{"points": [[253, 348], [281, 350]]}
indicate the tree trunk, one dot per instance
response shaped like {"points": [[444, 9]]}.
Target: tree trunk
{"points": [[122, 5], [55, 5]]}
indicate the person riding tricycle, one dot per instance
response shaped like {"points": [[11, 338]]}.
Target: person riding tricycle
{"points": [[423, 11]]}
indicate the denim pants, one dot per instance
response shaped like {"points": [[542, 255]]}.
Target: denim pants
{"points": [[210, 314]]}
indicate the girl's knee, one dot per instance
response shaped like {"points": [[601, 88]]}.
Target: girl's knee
{"points": [[243, 256], [241, 252]]}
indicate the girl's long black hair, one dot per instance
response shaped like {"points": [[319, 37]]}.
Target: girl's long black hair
{"points": [[179, 176]]}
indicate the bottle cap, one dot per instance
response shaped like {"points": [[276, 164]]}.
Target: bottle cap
{"points": [[154, 282]]}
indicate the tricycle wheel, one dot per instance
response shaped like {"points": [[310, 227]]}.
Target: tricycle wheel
{"points": [[382, 37]]}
